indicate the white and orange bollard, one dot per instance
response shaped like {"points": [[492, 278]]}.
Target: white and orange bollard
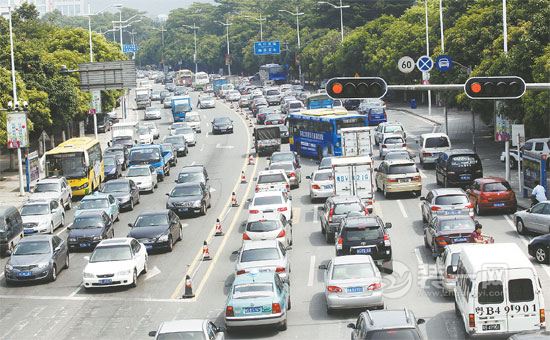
{"points": [[250, 159], [205, 252], [234, 202], [219, 231], [188, 293], [243, 177]]}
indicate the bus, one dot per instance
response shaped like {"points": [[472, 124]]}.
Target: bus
{"points": [[200, 81], [272, 73], [316, 133], [80, 161], [318, 101], [184, 78]]}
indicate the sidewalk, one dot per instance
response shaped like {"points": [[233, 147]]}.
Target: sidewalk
{"points": [[460, 132]]}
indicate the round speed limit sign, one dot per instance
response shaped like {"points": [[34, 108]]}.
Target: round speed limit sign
{"points": [[406, 64]]}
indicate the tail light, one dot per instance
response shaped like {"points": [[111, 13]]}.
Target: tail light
{"points": [[280, 270], [471, 320], [253, 211], [287, 186], [384, 146], [229, 311], [483, 197], [469, 206], [366, 211], [330, 213], [282, 233], [435, 208], [246, 237], [339, 243], [275, 308], [292, 174], [417, 178], [374, 286], [315, 186], [257, 188], [427, 154], [441, 241], [387, 241], [334, 289], [404, 145], [542, 316], [282, 209], [392, 180], [240, 272]]}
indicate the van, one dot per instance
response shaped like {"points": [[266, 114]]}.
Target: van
{"points": [[11, 228], [458, 167], [431, 145], [498, 291]]}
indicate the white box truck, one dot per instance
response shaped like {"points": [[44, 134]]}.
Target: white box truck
{"points": [[356, 141], [125, 133], [354, 176], [143, 98]]}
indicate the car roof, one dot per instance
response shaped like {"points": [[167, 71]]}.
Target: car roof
{"points": [[264, 216], [152, 213], [51, 180], [193, 168], [36, 237], [534, 140], [189, 184], [448, 191], [115, 241], [399, 161], [120, 180], [453, 217], [146, 166], [273, 171], [351, 259], [344, 198], [322, 171], [259, 244], [381, 319], [460, 152], [90, 213], [432, 135], [182, 325], [282, 163], [360, 221], [490, 179], [40, 200], [95, 195], [391, 123], [392, 135]]}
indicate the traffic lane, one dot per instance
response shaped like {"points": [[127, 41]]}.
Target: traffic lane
{"points": [[414, 125]]}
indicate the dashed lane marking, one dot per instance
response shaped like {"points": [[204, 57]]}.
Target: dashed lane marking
{"points": [[402, 208], [311, 271]]}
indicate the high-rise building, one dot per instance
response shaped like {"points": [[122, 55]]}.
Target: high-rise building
{"points": [[66, 7]]}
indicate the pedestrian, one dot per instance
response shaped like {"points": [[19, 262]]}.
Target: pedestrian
{"points": [[538, 194]]}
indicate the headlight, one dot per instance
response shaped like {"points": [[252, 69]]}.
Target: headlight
{"points": [[124, 272], [181, 149], [197, 204], [97, 238], [9, 266], [72, 239], [83, 186], [43, 265], [88, 275], [163, 238]]}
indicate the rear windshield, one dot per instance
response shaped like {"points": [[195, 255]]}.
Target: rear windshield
{"points": [[448, 225], [436, 142], [272, 93], [282, 157], [393, 128], [398, 155], [393, 334], [490, 292], [352, 271], [268, 200], [496, 186], [273, 178], [402, 169], [262, 226], [464, 160], [451, 200], [295, 105], [282, 166], [362, 233], [344, 208], [393, 140], [323, 176], [260, 254]]}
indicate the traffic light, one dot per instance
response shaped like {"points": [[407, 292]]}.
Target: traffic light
{"points": [[356, 88], [508, 87]]}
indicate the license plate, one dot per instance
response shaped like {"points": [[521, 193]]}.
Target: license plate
{"points": [[465, 177], [363, 250], [183, 209], [24, 274], [105, 281], [28, 231], [491, 327], [460, 239], [501, 204], [148, 246], [84, 245], [327, 186], [451, 212], [404, 180], [354, 289], [248, 310]]}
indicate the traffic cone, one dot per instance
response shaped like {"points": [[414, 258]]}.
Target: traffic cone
{"points": [[234, 200], [250, 159], [188, 293], [243, 177], [219, 231], [205, 252]]}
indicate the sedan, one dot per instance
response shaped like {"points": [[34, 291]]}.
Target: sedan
{"points": [[535, 219], [449, 201], [206, 102], [398, 176], [233, 96], [321, 185], [88, 229], [157, 230], [189, 198], [112, 168], [444, 230], [384, 128], [274, 119], [144, 176], [124, 190], [352, 281], [391, 142], [293, 173], [176, 126], [179, 143], [398, 155], [271, 201], [154, 129], [188, 133], [42, 216], [264, 255], [257, 299], [152, 113], [199, 329], [115, 262], [99, 202], [167, 103], [539, 248], [120, 153], [37, 257], [268, 226], [222, 125]]}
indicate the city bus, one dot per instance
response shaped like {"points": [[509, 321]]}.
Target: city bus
{"points": [[80, 161], [184, 78], [272, 73], [316, 133]]}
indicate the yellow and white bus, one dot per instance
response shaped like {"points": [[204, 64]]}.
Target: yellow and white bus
{"points": [[80, 161]]}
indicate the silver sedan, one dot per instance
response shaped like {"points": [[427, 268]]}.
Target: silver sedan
{"points": [[535, 219], [321, 185]]}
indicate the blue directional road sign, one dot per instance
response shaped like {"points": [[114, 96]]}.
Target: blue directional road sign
{"points": [[267, 47], [443, 63], [425, 63], [127, 48]]}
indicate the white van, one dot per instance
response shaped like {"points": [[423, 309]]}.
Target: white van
{"points": [[498, 291], [193, 120], [431, 145]]}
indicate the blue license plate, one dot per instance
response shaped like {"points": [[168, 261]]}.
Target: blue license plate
{"points": [[465, 177], [148, 246], [105, 281], [28, 231], [327, 186], [252, 309], [84, 245], [363, 250], [500, 204], [24, 274], [460, 239], [354, 289]]}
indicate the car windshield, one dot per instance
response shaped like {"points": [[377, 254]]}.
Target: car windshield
{"points": [[192, 190], [323, 176], [295, 105], [35, 209], [109, 161], [448, 225], [87, 222], [111, 253], [402, 169], [260, 254], [393, 334], [191, 177], [183, 131], [144, 131], [464, 160], [150, 125], [496, 186], [272, 93], [32, 248], [98, 203], [282, 157], [178, 125], [222, 121], [268, 200], [271, 178], [436, 142], [207, 98], [175, 139], [181, 335], [151, 109], [283, 166], [145, 155], [363, 233], [393, 129], [262, 226], [451, 200], [398, 155], [393, 140], [252, 289], [110, 187], [192, 118], [325, 163], [352, 271], [151, 220], [138, 172], [47, 187], [344, 208]]}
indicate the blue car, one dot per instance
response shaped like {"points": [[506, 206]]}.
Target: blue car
{"points": [[257, 298], [99, 202], [376, 115]]}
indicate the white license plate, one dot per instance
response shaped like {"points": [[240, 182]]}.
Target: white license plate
{"points": [[404, 180]]}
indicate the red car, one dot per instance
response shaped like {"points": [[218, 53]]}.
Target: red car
{"points": [[492, 194]]}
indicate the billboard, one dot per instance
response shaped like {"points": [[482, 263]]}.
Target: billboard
{"points": [[18, 136]]}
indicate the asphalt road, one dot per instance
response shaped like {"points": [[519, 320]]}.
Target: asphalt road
{"points": [[63, 310]]}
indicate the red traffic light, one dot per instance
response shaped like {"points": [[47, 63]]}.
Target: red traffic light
{"points": [[337, 88], [475, 87], [356, 88], [505, 87]]}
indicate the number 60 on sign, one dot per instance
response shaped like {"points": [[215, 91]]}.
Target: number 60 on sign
{"points": [[406, 64]]}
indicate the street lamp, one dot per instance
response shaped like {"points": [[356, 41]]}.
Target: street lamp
{"points": [[261, 20], [297, 14], [120, 27], [195, 28], [341, 7], [227, 24], [119, 6]]}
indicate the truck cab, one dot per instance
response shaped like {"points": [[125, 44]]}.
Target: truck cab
{"points": [[180, 106], [155, 155]]}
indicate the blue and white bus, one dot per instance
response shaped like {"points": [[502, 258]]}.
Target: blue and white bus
{"points": [[272, 74], [316, 133]]}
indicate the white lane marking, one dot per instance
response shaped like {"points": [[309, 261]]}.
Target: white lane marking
{"points": [[212, 189], [435, 128], [185, 225], [202, 148], [152, 273], [219, 146], [1, 275], [422, 174], [402, 208], [422, 269], [76, 290], [316, 212], [377, 209], [60, 231], [296, 212], [225, 215], [311, 271]]}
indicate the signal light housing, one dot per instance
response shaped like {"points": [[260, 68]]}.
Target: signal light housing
{"points": [[506, 87], [356, 88]]}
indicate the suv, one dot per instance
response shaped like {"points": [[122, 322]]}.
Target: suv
{"points": [[56, 188], [385, 128], [535, 145], [366, 235], [386, 324], [431, 145], [459, 167], [334, 210]]}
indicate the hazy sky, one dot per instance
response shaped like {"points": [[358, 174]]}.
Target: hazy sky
{"points": [[153, 7]]}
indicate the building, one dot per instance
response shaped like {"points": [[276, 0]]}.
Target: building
{"points": [[66, 7]]}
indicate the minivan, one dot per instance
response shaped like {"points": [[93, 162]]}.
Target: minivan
{"points": [[431, 145], [11, 228], [459, 167]]}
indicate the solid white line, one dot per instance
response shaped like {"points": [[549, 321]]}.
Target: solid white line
{"points": [[311, 271], [1, 275], [316, 213], [76, 290], [90, 298], [402, 208], [202, 148]]}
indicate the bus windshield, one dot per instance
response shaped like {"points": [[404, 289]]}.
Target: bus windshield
{"points": [[70, 165]]}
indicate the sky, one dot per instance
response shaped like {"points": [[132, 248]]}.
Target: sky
{"points": [[152, 7]]}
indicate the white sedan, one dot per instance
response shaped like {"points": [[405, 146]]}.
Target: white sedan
{"points": [[145, 177], [115, 262], [189, 135], [42, 216], [321, 185], [271, 201], [152, 113]]}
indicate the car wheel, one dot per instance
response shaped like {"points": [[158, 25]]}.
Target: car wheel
{"points": [[69, 204], [117, 217], [445, 183], [541, 255], [152, 188], [62, 224], [283, 326], [329, 237], [289, 304], [437, 181], [180, 235], [170, 244], [53, 273], [330, 310], [135, 278], [145, 267], [426, 244], [477, 210], [67, 261], [386, 193], [323, 230], [520, 227]]}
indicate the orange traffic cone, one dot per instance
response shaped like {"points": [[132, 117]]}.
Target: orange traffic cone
{"points": [[188, 293], [234, 202], [243, 177], [219, 231], [250, 159], [205, 252]]}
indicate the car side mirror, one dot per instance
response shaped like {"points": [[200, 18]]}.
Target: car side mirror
{"points": [[528, 210], [323, 266], [420, 321], [452, 269], [8, 252], [388, 225], [308, 177], [57, 249], [153, 333], [70, 226], [288, 248], [167, 194], [235, 252], [130, 225], [422, 198], [352, 325]]}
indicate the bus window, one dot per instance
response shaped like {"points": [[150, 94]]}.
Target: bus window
{"points": [[520, 290], [490, 292], [350, 122]]}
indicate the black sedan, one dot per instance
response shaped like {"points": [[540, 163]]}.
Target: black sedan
{"points": [[89, 228], [539, 248], [222, 125], [179, 144], [157, 230], [37, 257], [444, 230], [112, 169], [124, 190], [189, 198]]}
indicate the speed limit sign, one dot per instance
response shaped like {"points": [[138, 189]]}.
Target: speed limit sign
{"points": [[406, 64]]}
